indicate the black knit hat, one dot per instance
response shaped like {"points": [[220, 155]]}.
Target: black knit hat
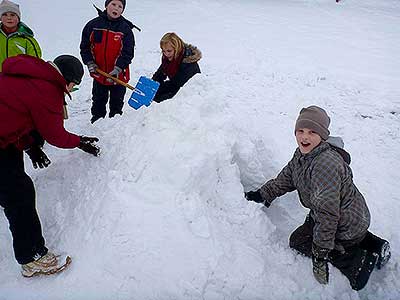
{"points": [[108, 1], [70, 67]]}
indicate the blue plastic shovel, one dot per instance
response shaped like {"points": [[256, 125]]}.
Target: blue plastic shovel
{"points": [[143, 93]]}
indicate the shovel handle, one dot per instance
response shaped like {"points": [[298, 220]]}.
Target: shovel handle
{"points": [[115, 79]]}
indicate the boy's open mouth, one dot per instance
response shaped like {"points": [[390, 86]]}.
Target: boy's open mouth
{"points": [[305, 144]]}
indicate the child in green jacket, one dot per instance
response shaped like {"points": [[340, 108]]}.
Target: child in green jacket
{"points": [[15, 37]]}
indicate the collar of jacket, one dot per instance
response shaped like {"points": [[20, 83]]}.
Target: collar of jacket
{"points": [[103, 14], [323, 146], [65, 89], [191, 54], [23, 30]]}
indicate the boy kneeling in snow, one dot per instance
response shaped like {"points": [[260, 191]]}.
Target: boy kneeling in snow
{"points": [[336, 229]]}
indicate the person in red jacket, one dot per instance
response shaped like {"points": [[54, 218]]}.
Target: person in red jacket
{"points": [[31, 100], [108, 44]]}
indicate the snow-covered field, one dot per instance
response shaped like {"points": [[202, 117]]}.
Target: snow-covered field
{"points": [[160, 214]]}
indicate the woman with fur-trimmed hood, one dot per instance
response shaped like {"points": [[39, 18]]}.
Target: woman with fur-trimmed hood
{"points": [[178, 65]]}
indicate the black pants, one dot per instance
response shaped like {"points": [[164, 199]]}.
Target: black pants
{"points": [[100, 93], [356, 262], [17, 197]]}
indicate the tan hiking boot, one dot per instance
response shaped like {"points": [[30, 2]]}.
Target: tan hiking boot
{"points": [[47, 264]]}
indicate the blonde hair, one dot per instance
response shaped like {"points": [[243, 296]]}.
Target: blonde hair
{"points": [[176, 42]]}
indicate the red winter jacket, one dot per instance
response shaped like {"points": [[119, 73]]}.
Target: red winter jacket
{"points": [[108, 43], [31, 98]]}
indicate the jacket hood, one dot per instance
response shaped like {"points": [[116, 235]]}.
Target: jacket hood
{"points": [[31, 67], [191, 54], [337, 143], [23, 29]]}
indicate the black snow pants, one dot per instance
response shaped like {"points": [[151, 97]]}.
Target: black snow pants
{"points": [[356, 262], [17, 197], [100, 94]]}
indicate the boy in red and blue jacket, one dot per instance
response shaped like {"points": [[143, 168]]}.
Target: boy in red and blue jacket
{"points": [[108, 44]]}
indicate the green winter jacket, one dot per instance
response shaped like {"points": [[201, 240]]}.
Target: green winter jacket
{"points": [[19, 42]]}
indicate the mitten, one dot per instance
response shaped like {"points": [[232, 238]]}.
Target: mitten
{"points": [[320, 264], [256, 197]]}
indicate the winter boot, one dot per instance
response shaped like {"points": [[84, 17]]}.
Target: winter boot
{"points": [[355, 263], [384, 255], [113, 113], [363, 273], [47, 264], [95, 118], [379, 246]]}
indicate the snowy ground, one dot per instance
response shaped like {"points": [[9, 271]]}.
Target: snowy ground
{"points": [[161, 214]]}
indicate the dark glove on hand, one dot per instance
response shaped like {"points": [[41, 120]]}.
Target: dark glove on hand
{"points": [[38, 157], [92, 67], [114, 73], [320, 264], [88, 145], [254, 196], [37, 138]]}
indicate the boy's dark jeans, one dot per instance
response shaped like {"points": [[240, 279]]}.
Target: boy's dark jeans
{"points": [[17, 197], [100, 93], [356, 257]]}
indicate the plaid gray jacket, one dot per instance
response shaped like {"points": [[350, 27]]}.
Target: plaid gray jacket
{"points": [[324, 182]]}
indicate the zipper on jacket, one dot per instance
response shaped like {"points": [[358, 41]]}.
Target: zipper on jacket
{"points": [[6, 47], [24, 37], [105, 55], [33, 45]]}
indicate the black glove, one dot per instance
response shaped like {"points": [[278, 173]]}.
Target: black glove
{"points": [[37, 138], [38, 157], [88, 145], [254, 196], [320, 264]]}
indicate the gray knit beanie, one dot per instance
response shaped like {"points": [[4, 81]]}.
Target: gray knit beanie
{"points": [[314, 118], [8, 6]]}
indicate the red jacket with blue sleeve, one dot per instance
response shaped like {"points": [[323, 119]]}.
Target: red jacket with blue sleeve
{"points": [[108, 43]]}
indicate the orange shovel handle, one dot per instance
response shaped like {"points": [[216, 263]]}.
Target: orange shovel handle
{"points": [[115, 79]]}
